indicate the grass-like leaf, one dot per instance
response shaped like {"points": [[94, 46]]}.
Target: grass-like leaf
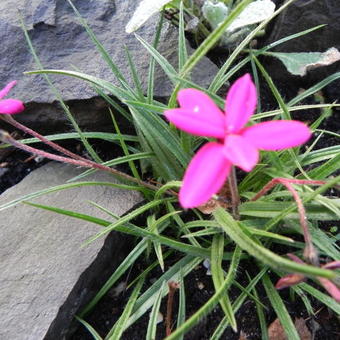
{"points": [[219, 79], [146, 300], [93, 332], [181, 304], [69, 115], [280, 309], [207, 44], [325, 299], [233, 230], [64, 187], [113, 162], [122, 268], [217, 249], [110, 137], [100, 47], [117, 331], [212, 302], [153, 321]]}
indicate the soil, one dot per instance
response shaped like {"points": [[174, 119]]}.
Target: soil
{"points": [[199, 288]]}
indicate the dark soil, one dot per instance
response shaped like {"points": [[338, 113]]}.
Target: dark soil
{"points": [[16, 166], [199, 288]]}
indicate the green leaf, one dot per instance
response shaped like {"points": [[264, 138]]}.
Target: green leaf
{"points": [[93, 332], [146, 300], [126, 218], [207, 44], [325, 299], [122, 268], [317, 87], [166, 187], [305, 200], [212, 302], [217, 249], [271, 209], [111, 137], [135, 76], [144, 11], [273, 88], [124, 147], [181, 305], [153, 321], [182, 47], [320, 155], [165, 65], [64, 187], [236, 233], [131, 229], [326, 244], [151, 73], [116, 161], [57, 94], [300, 63], [153, 227], [325, 169], [219, 79], [117, 331], [101, 49], [261, 317], [280, 309], [238, 303]]}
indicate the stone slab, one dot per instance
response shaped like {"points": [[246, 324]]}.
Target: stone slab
{"points": [[62, 43], [45, 273]]}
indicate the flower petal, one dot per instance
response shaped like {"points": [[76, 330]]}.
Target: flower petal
{"points": [[204, 176], [332, 265], [331, 288], [277, 135], [240, 152], [198, 114], [11, 106], [289, 280], [7, 88], [240, 104]]}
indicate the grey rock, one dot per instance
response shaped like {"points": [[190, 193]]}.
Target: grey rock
{"points": [[62, 43], [305, 14], [299, 16], [45, 273], [3, 171]]}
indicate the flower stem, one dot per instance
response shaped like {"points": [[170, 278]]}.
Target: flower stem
{"points": [[235, 197], [310, 252], [13, 122], [173, 286], [6, 138]]}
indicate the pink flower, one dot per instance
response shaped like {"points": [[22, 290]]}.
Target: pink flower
{"points": [[10, 106], [235, 145]]}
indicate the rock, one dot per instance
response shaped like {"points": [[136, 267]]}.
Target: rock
{"points": [[299, 16], [302, 15], [3, 171], [62, 43], [45, 273]]}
